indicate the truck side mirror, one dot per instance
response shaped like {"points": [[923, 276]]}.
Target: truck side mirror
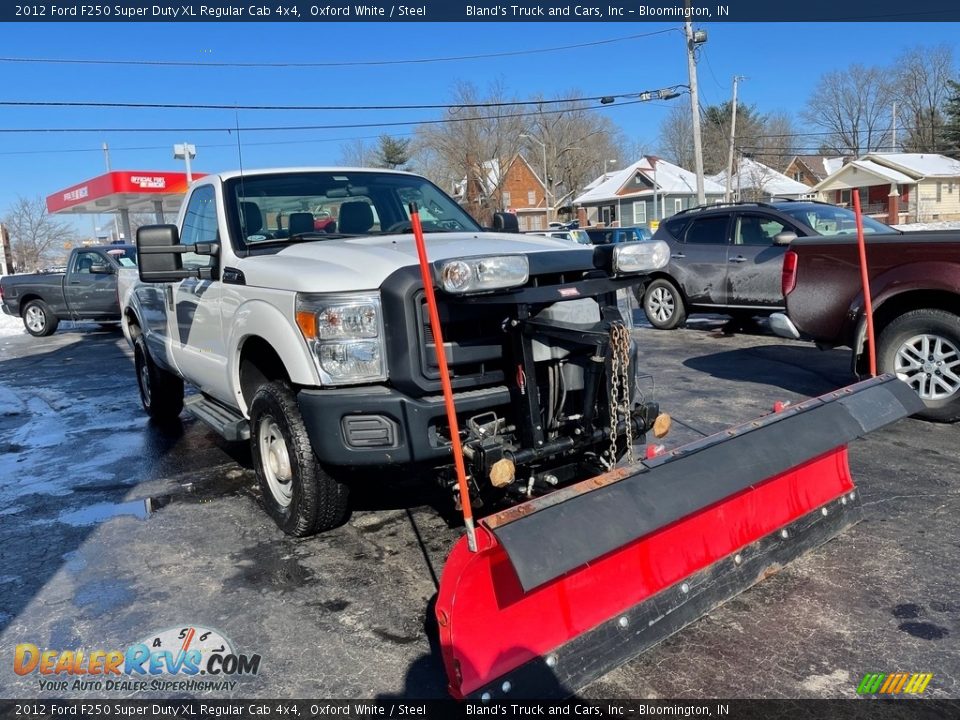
{"points": [[101, 269], [784, 238], [159, 251], [505, 222]]}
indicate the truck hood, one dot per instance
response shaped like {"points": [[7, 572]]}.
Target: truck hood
{"points": [[364, 263]]}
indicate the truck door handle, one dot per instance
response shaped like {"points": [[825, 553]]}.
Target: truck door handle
{"points": [[74, 282], [738, 259], [678, 256]]}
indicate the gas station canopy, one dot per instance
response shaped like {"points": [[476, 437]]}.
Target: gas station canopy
{"points": [[137, 191]]}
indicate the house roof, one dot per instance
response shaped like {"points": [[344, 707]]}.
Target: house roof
{"points": [[752, 175], [820, 165], [862, 173], [670, 180], [919, 165]]}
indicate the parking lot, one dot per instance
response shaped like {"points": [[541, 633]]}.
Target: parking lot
{"points": [[112, 530]]}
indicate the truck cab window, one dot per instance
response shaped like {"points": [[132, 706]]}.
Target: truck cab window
{"points": [[200, 225], [84, 261]]}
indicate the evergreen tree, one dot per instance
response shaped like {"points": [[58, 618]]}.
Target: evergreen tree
{"points": [[393, 153], [951, 121]]}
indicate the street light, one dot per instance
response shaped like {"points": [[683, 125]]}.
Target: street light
{"points": [[546, 187], [185, 151]]}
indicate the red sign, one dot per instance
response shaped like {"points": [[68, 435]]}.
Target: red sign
{"points": [[125, 182]]}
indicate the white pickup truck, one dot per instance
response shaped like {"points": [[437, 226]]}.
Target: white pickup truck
{"points": [[292, 300]]}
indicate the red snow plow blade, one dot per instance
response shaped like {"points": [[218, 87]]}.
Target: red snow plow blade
{"points": [[566, 587]]}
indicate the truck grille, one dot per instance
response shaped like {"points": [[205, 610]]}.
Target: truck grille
{"points": [[473, 338]]}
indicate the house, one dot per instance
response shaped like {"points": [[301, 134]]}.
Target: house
{"points": [[899, 187], [811, 169], [647, 190], [517, 189], [753, 180]]}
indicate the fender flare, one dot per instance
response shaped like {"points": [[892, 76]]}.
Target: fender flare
{"points": [[258, 318]]}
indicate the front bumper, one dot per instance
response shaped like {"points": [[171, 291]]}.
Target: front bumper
{"points": [[783, 326], [381, 426]]}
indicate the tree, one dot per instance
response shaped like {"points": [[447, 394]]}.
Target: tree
{"points": [[35, 236], [355, 153], [922, 77], [676, 137], [853, 107], [951, 121], [392, 153]]}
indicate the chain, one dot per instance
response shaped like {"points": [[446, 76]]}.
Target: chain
{"points": [[620, 389]]}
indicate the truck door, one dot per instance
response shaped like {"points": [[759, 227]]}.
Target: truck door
{"points": [[193, 323], [90, 287], [700, 261], [755, 264]]}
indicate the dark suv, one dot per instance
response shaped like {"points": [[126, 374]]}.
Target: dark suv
{"points": [[728, 257]]}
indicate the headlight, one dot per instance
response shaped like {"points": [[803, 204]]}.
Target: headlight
{"points": [[639, 257], [484, 273], [345, 335]]}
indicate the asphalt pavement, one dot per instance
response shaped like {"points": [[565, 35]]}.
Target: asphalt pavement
{"points": [[113, 530]]}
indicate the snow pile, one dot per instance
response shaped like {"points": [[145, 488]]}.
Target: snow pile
{"points": [[10, 325], [936, 225]]}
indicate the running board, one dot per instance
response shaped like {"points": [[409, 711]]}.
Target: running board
{"points": [[228, 423]]}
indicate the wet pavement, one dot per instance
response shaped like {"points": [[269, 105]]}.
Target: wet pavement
{"points": [[113, 530]]}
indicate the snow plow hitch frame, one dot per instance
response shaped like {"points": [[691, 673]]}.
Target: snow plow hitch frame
{"points": [[565, 587]]}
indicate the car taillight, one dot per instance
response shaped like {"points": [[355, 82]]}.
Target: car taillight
{"points": [[788, 279]]}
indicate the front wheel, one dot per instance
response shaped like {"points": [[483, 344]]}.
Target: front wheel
{"points": [[922, 348], [297, 493], [663, 305], [161, 392], [38, 319]]}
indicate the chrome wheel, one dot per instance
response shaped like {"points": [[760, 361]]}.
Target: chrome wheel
{"points": [[930, 364], [661, 304], [35, 319], [276, 461]]}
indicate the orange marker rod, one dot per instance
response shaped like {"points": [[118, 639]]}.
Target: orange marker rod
{"points": [[865, 280], [444, 376]]}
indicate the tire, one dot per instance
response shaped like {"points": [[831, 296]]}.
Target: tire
{"points": [[297, 492], [161, 392], [38, 319], [922, 348], [663, 305]]}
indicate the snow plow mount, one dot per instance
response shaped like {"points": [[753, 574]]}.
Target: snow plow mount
{"points": [[568, 586]]}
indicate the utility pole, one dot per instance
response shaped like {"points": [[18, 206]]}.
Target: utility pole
{"points": [[733, 138], [116, 221], [692, 41], [894, 149]]}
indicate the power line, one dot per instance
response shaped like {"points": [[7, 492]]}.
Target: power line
{"points": [[438, 106], [346, 63], [341, 126]]}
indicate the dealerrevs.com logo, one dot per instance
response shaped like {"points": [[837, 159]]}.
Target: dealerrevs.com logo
{"points": [[190, 658]]}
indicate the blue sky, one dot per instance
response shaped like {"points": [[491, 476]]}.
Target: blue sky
{"points": [[781, 61]]}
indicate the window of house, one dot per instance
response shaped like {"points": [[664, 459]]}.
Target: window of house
{"points": [[506, 199], [640, 213], [798, 176], [677, 205], [939, 192], [531, 197]]}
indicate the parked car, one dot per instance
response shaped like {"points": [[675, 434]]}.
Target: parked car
{"points": [[728, 258], [86, 291], [915, 287], [608, 236], [575, 235]]}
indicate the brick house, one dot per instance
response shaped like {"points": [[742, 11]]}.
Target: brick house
{"points": [[518, 189], [812, 169]]}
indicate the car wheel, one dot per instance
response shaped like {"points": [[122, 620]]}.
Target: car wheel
{"points": [[297, 492], [38, 319], [922, 348], [663, 305], [161, 392]]}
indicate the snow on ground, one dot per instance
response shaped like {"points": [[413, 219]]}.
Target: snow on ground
{"points": [[10, 325], [937, 225]]}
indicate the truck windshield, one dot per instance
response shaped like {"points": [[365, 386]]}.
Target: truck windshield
{"points": [[318, 205], [829, 220]]}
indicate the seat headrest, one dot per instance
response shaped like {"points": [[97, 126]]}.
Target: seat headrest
{"points": [[301, 222], [355, 217], [252, 219]]}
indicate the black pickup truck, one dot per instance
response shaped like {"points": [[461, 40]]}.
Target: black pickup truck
{"points": [[86, 291]]}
